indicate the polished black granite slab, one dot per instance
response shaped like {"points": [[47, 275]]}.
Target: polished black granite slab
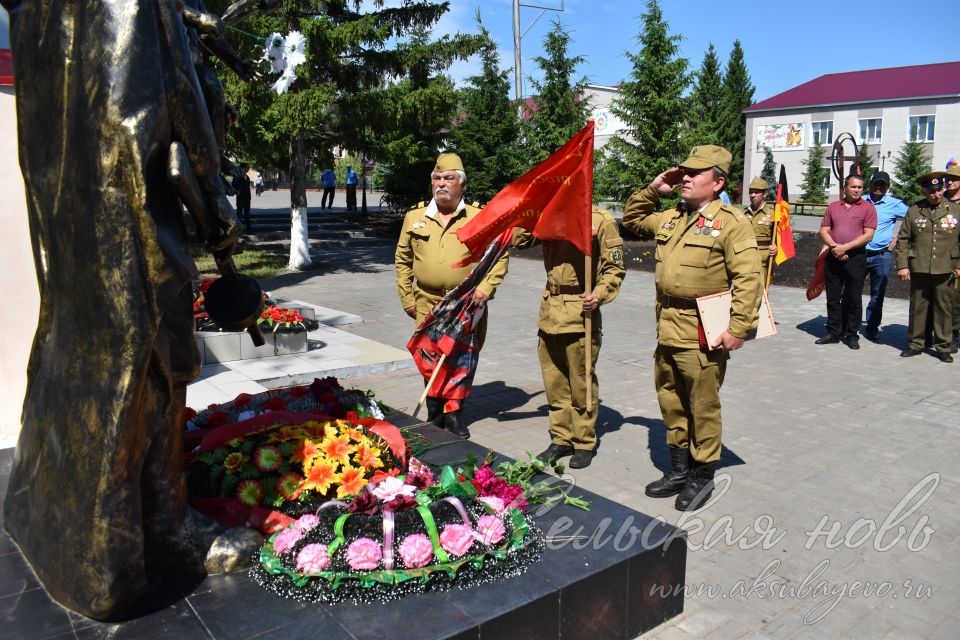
{"points": [[599, 577]]}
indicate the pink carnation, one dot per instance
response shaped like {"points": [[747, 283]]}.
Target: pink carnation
{"points": [[307, 522], [493, 502], [313, 558], [456, 539], [285, 540], [483, 475], [364, 554], [514, 497], [416, 551], [490, 530]]}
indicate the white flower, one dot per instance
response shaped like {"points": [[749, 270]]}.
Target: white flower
{"points": [[284, 81], [375, 410], [391, 487], [295, 49], [274, 52]]}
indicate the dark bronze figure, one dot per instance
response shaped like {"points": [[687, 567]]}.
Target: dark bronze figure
{"points": [[97, 500]]}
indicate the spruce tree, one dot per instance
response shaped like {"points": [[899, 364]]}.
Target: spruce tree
{"points": [[769, 173], [650, 104], [486, 133], [703, 105], [561, 108], [732, 127], [865, 164], [814, 176], [911, 163]]}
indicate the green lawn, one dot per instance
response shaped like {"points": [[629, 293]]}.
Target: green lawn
{"points": [[256, 263]]}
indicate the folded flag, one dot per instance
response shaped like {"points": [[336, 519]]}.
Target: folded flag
{"points": [[781, 216], [815, 288]]}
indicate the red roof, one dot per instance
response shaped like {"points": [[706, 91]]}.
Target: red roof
{"points": [[873, 85], [6, 68]]}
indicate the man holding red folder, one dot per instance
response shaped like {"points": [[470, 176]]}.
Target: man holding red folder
{"points": [[703, 247]]}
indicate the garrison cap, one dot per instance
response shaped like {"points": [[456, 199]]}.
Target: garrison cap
{"points": [[932, 180], [448, 162], [759, 184], [953, 172], [706, 156]]}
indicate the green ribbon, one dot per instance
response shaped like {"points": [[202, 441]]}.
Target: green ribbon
{"points": [[338, 532], [432, 533]]}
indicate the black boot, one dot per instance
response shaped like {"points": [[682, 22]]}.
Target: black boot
{"points": [[673, 480], [435, 411], [452, 423], [956, 342], [698, 489]]}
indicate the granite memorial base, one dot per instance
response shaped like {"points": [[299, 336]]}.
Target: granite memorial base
{"points": [[610, 572]]}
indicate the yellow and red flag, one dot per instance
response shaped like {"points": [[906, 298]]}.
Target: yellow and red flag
{"points": [[781, 216], [553, 200]]}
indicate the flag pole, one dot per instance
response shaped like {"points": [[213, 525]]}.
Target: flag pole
{"points": [[766, 288], [426, 390], [588, 328]]}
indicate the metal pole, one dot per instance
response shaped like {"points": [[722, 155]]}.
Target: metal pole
{"points": [[517, 58]]}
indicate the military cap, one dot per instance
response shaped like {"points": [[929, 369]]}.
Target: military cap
{"points": [[953, 172], [932, 180], [759, 184], [707, 156], [448, 162], [880, 176]]}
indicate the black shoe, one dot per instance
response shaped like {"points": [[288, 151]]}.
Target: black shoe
{"points": [[853, 342], [956, 342], [871, 335], [909, 353], [827, 340], [435, 411], [451, 422], [555, 451], [673, 480], [698, 489], [943, 355], [581, 459]]}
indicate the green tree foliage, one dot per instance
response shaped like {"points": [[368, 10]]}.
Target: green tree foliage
{"points": [[814, 176], [737, 95], [560, 106], [769, 173], [651, 107], [910, 163], [865, 162], [487, 132], [703, 104]]}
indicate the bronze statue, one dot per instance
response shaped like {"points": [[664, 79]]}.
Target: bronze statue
{"points": [[97, 499]]}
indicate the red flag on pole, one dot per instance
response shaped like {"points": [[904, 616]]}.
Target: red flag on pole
{"points": [[815, 288], [785, 247], [553, 200]]}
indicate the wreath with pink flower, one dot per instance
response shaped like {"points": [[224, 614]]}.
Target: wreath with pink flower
{"points": [[419, 531]]}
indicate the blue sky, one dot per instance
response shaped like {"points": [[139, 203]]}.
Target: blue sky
{"points": [[785, 44]]}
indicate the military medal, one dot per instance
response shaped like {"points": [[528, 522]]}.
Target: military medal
{"points": [[715, 233]]}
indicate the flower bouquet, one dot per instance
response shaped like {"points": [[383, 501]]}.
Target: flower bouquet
{"points": [[404, 533], [273, 319]]}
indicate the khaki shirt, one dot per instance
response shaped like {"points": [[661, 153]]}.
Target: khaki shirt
{"points": [[426, 252], [763, 225], [927, 242], [692, 265], [565, 266]]}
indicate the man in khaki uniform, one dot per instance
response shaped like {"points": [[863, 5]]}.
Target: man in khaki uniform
{"points": [[952, 193], [703, 247], [562, 345], [760, 213], [427, 249], [927, 254]]}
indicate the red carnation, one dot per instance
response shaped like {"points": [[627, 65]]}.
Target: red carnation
{"points": [[275, 404], [242, 400], [217, 419]]}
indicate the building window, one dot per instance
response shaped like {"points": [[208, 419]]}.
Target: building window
{"points": [[921, 128], [822, 132], [871, 130]]}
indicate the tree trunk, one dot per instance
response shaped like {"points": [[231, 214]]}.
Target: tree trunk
{"points": [[299, 231]]}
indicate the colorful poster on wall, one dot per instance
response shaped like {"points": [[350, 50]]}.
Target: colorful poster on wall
{"points": [[780, 137], [606, 123]]}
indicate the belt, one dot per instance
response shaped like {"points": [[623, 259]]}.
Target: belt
{"points": [[557, 289], [431, 291], [673, 302], [871, 252]]}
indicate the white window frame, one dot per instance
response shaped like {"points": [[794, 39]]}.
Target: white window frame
{"points": [[866, 139], [815, 131], [931, 131]]}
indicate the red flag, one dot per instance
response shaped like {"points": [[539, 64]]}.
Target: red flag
{"points": [[781, 216], [819, 277], [554, 200]]}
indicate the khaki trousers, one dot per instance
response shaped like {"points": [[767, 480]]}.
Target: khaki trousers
{"points": [[688, 389], [563, 364]]}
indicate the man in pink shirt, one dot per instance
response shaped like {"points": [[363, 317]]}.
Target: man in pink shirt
{"points": [[847, 226]]}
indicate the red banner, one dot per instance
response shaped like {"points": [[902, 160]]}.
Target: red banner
{"points": [[554, 200], [781, 216], [815, 288]]}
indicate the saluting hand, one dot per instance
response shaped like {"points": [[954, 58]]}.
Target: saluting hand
{"points": [[667, 181]]}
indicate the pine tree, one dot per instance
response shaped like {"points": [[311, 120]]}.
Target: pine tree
{"points": [[732, 126], [561, 109], [703, 105], [911, 163], [487, 132], [814, 176], [651, 107], [769, 173], [865, 163]]}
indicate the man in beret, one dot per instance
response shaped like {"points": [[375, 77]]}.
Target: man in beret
{"points": [[427, 249], [890, 213], [952, 193], [703, 247], [927, 255], [847, 225], [761, 216]]}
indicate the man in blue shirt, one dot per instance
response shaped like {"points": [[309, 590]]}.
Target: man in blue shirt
{"points": [[329, 188], [351, 182], [890, 213]]}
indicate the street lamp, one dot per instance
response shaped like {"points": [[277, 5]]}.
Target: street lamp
{"points": [[883, 158], [517, 37]]}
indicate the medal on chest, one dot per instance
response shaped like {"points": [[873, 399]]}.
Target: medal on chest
{"points": [[707, 226], [948, 222], [921, 223], [666, 229]]}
